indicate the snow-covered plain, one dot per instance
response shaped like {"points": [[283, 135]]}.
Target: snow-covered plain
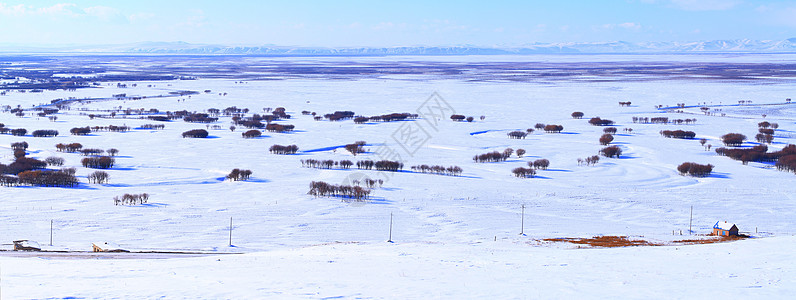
{"points": [[455, 237]]}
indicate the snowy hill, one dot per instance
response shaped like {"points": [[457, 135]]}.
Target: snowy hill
{"points": [[454, 236], [740, 45]]}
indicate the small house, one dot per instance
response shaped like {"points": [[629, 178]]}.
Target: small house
{"points": [[106, 247], [725, 229], [26, 245]]}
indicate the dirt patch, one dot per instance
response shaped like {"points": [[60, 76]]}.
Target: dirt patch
{"points": [[605, 241], [710, 240], [611, 241]]}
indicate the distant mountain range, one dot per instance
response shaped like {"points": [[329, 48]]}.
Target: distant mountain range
{"points": [[716, 46]]}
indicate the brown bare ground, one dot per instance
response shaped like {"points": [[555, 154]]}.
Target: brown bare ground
{"points": [[606, 241], [610, 241], [714, 239]]}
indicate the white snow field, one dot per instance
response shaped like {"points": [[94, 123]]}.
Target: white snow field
{"points": [[454, 236]]}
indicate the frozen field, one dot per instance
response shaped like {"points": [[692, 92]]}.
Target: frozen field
{"points": [[455, 236]]}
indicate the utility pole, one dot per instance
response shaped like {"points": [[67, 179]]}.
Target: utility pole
{"points": [[51, 232], [389, 240], [522, 223], [690, 221], [230, 231]]}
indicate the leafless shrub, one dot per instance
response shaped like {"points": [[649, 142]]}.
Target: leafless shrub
{"points": [[523, 172], [238, 174], [54, 161], [131, 199], [695, 169], [98, 177], [611, 151]]}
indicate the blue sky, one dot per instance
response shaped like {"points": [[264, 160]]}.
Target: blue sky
{"points": [[391, 23]]}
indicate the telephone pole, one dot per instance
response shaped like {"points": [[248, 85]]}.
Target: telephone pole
{"points": [[690, 220], [522, 222], [389, 240]]}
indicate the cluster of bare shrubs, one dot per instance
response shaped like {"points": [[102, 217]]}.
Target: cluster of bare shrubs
{"points": [[152, 126], [251, 134], [63, 178], [18, 131], [273, 127], [340, 115], [766, 130], [591, 160], [365, 164], [733, 139], [577, 115], [611, 151], [98, 177], [439, 170], [517, 134], [229, 111], [681, 121], [279, 113], [279, 149], [553, 128], [323, 189], [54, 161], [388, 165], [596, 121], [325, 164], [624, 103], [787, 163], [756, 153], [47, 178], [6, 180], [91, 152], [539, 164], [44, 133], [370, 183], [14, 132], [695, 169], [523, 172], [385, 118], [195, 133], [764, 138], [97, 152], [199, 118], [80, 130], [493, 156], [520, 152], [356, 148], [256, 121], [155, 118], [131, 199], [102, 162], [238, 174], [610, 130], [382, 165], [678, 134], [606, 139], [663, 120], [21, 164], [111, 128], [69, 148], [19, 146], [459, 118]]}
